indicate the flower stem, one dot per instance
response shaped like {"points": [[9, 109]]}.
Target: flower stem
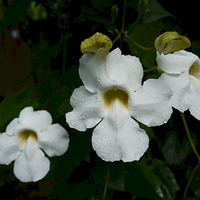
{"points": [[190, 180], [189, 137], [150, 70], [106, 185], [127, 38], [117, 38], [124, 17], [195, 151]]}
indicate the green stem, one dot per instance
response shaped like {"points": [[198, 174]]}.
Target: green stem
{"points": [[150, 70], [124, 17], [189, 137], [117, 38], [195, 151], [106, 185], [127, 38], [190, 180]]}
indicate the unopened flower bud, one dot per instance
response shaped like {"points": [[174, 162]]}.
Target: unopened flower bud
{"points": [[170, 42], [97, 43], [142, 6], [114, 12]]}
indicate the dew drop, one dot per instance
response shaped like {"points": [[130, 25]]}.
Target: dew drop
{"points": [[72, 122], [151, 105], [138, 141], [165, 121], [99, 79], [108, 142], [157, 104]]}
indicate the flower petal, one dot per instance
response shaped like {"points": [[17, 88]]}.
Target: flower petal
{"points": [[9, 148], [14, 127], [118, 137], [195, 98], [92, 71], [180, 86], [121, 70], [88, 109], [114, 69], [54, 140], [39, 120], [176, 63], [150, 104], [32, 164]]}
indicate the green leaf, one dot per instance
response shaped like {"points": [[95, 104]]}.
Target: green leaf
{"points": [[145, 35], [13, 13], [13, 104], [173, 151], [156, 179], [48, 87], [155, 12], [71, 78], [55, 50], [59, 102]]}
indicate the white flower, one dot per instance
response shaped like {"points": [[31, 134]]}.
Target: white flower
{"points": [[111, 94], [25, 140], [182, 74]]}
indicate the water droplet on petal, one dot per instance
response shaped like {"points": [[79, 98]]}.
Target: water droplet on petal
{"points": [[72, 122], [99, 79], [157, 104], [151, 105], [138, 141], [165, 121]]}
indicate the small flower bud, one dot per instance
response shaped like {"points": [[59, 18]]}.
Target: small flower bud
{"points": [[97, 43], [114, 12], [170, 42], [142, 6]]}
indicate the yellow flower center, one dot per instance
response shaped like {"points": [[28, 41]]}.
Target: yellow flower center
{"points": [[115, 94], [25, 135], [194, 71]]}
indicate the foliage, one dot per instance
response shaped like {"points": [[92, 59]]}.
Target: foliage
{"points": [[53, 33]]}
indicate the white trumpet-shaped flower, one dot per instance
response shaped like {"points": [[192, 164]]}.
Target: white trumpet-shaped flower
{"points": [[111, 94], [26, 141], [182, 74]]}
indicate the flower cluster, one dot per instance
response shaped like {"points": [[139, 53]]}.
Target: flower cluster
{"points": [[113, 99]]}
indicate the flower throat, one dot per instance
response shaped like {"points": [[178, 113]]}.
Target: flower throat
{"points": [[115, 94]]}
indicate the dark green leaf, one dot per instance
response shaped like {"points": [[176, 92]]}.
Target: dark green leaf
{"points": [[55, 50], [13, 104], [154, 12], [156, 180], [174, 152], [13, 13], [145, 35]]}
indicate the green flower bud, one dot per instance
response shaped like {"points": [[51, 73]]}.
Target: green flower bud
{"points": [[170, 42], [142, 6], [114, 12]]}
